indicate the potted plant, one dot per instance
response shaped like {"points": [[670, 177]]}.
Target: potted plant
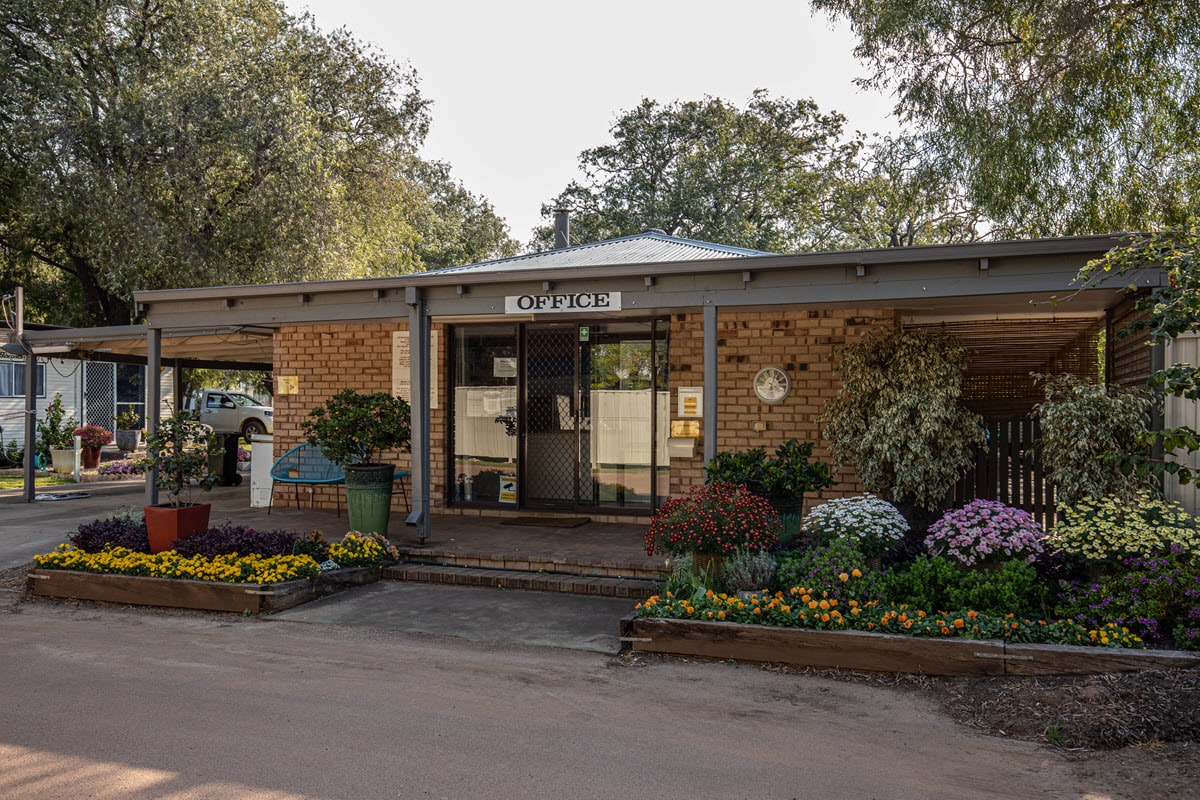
{"points": [[782, 480], [712, 523], [353, 430], [56, 436], [129, 430], [91, 439], [178, 450]]}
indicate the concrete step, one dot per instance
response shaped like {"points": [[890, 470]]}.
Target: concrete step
{"points": [[525, 580], [532, 563]]}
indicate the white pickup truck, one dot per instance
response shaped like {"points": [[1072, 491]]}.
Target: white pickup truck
{"points": [[232, 412]]}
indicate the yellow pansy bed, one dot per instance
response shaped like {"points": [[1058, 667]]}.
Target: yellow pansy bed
{"points": [[244, 584], [232, 568]]}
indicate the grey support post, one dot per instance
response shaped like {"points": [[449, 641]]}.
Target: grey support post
{"points": [[419, 339], [30, 420], [153, 400], [710, 382]]}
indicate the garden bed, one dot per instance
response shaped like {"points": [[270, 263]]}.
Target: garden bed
{"points": [[880, 652], [242, 598]]}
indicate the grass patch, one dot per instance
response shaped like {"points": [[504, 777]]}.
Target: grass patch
{"points": [[18, 481]]}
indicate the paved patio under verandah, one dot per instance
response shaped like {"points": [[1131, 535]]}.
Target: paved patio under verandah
{"points": [[592, 548]]}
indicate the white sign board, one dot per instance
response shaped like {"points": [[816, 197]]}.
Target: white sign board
{"points": [[691, 401], [574, 302], [402, 367]]}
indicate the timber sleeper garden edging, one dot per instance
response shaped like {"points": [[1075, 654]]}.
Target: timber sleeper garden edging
{"points": [[884, 652], [252, 598]]}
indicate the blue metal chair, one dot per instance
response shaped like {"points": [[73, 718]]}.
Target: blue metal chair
{"points": [[306, 465]]}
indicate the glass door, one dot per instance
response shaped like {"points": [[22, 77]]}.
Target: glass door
{"points": [[623, 414]]}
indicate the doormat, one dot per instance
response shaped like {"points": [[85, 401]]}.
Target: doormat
{"points": [[548, 522]]}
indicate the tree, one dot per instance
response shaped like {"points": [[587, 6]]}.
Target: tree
{"points": [[755, 177], [897, 418], [1169, 311], [900, 192], [1065, 116], [201, 142], [1081, 423], [456, 227]]}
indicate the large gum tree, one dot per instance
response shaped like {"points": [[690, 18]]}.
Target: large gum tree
{"points": [[173, 143]]}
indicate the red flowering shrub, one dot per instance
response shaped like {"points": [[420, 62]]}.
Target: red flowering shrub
{"points": [[719, 518]]}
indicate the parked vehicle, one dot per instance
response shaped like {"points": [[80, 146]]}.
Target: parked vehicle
{"points": [[232, 412]]}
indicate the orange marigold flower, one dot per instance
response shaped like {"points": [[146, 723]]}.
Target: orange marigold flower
{"points": [[843, 577], [824, 618], [945, 631], [720, 615], [958, 623], [757, 610], [824, 605], [856, 572], [972, 614]]}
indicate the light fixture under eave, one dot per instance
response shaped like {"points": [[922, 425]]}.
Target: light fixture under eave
{"points": [[13, 348]]}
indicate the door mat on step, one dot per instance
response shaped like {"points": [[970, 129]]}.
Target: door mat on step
{"points": [[548, 522]]}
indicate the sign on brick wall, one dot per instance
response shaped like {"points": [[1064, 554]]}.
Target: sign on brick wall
{"points": [[402, 366]]}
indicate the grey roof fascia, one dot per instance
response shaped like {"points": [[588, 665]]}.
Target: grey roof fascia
{"points": [[1070, 245]]}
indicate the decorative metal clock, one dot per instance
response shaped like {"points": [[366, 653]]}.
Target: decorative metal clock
{"points": [[772, 385]]}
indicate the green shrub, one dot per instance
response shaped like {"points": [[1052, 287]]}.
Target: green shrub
{"points": [[838, 568], [937, 584], [1083, 422], [897, 416], [782, 479]]}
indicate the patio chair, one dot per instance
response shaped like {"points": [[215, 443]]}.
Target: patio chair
{"points": [[305, 465]]}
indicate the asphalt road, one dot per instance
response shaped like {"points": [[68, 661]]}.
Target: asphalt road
{"points": [[110, 702]]}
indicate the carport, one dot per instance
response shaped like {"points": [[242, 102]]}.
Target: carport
{"points": [[241, 347]]}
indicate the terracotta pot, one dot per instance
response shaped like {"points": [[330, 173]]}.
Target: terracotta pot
{"points": [[89, 457], [166, 523]]}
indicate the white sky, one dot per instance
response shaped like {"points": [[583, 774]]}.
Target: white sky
{"points": [[521, 87]]}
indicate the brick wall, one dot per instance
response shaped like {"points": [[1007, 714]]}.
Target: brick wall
{"points": [[327, 359], [804, 342]]}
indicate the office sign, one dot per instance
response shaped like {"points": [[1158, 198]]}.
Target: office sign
{"points": [[573, 302]]}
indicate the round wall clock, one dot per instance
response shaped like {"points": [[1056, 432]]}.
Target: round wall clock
{"points": [[772, 385]]}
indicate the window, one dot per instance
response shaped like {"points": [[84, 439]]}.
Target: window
{"points": [[12, 379]]}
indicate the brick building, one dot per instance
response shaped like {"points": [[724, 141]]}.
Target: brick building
{"points": [[600, 378]]}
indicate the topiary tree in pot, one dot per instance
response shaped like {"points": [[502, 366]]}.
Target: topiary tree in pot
{"points": [[177, 450], [353, 430], [897, 419]]}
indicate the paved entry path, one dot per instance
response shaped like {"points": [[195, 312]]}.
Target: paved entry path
{"points": [[478, 613], [103, 702]]}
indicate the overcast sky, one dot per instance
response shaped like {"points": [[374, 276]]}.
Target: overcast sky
{"points": [[521, 87]]}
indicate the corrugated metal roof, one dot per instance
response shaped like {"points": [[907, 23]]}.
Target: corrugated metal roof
{"points": [[651, 246]]}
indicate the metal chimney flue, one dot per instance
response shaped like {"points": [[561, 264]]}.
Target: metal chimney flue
{"points": [[562, 228]]}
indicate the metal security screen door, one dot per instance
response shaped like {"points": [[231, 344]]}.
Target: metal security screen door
{"points": [[551, 408], [595, 416]]}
